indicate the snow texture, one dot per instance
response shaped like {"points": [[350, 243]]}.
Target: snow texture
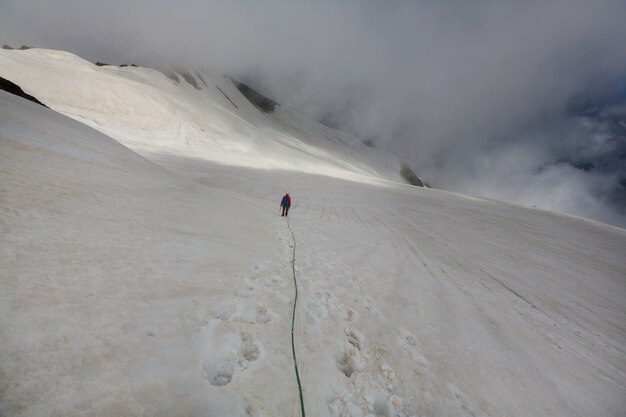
{"points": [[145, 270]]}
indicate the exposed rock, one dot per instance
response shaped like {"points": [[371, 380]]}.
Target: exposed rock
{"points": [[172, 76], [409, 176], [21, 48], [262, 102], [13, 88], [189, 78], [102, 64], [200, 77]]}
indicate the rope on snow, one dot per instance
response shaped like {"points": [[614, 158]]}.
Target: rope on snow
{"points": [[293, 319]]}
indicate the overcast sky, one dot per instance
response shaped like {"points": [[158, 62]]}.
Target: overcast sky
{"points": [[517, 100]]}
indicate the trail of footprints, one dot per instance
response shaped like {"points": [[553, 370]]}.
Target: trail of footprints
{"points": [[228, 342], [224, 328], [370, 385], [373, 388], [350, 359], [219, 370], [377, 391]]}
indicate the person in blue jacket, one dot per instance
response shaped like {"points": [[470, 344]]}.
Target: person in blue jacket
{"points": [[285, 203]]}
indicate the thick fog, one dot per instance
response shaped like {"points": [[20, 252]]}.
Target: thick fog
{"points": [[517, 100]]}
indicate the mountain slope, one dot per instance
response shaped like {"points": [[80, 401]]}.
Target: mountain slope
{"points": [[150, 113], [108, 266], [130, 290]]}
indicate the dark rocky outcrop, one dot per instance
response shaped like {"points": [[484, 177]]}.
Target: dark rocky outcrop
{"points": [[409, 176], [104, 64], [21, 48], [262, 102], [200, 77], [172, 76], [189, 78], [13, 88]]}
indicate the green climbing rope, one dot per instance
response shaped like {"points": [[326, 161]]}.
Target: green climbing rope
{"points": [[293, 320]]}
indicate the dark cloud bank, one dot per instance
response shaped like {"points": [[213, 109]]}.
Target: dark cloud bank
{"points": [[517, 100]]}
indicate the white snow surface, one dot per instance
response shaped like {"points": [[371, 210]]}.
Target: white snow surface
{"points": [[153, 115], [145, 270]]}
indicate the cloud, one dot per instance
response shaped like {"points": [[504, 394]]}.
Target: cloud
{"points": [[466, 91], [585, 179]]}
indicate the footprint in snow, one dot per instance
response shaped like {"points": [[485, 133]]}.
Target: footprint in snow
{"points": [[226, 353], [409, 342], [350, 359], [369, 305]]}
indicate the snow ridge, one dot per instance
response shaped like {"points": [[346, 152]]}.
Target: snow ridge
{"points": [[156, 116]]}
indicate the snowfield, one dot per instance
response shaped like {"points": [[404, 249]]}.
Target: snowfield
{"points": [[146, 271], [152, 114]]}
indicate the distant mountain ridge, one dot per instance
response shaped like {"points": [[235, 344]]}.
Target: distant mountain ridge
{"points": [[195, 109]]}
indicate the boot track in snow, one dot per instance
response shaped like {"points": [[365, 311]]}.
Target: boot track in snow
{"points": [[293, 319]]}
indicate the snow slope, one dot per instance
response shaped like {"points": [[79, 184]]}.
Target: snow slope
{"points": [[130, 287], [112, 273], [152, 114]]}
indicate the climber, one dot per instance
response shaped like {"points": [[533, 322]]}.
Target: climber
{"points": [[285, 203]]}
